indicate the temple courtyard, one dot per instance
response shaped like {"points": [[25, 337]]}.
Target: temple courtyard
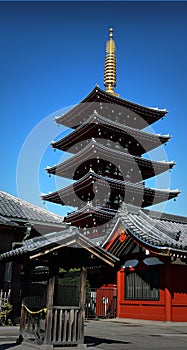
{"points": [[117, 334]]}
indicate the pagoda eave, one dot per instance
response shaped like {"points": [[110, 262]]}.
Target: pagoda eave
{"points": [[89, 217], [136, 141], [76, 115], [94, 155], [93, 187]]}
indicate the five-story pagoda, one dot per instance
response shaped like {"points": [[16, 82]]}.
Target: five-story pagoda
{"points": [[107, 144]]}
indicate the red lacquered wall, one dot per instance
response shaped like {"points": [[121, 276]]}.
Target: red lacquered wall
{"points": [[179, 293], [172, 305]]}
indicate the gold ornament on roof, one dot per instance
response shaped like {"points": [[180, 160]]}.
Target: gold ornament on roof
{"points": [[110, 65]]}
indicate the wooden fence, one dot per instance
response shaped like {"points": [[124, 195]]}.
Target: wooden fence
{"points": [[52, 324], [65, 326]]}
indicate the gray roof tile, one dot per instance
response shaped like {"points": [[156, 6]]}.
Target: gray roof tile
{"points": [[156, 231], [7, 222], [18, 209], [38, 244]]}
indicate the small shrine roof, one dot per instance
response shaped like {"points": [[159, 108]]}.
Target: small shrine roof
{"points": [[39, 246], [136, 168], [77, 114], [17, 209], [72, 194], [96, 126]]}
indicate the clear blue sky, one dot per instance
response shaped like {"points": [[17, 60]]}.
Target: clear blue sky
{"points": [[52, 55]]}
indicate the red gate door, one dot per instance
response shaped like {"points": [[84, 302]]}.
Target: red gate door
{"points": [[106, 302]]}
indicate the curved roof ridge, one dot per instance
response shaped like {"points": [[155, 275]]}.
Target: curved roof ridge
{"points": [[156, 230], [136, 104], [147, 234], [92, 174], [95, 143], [166, 216], [96, 115], [117, 154], [113, 98], [89, 207], [72, 118], [157, 223], [135, 231], [143, 226]]}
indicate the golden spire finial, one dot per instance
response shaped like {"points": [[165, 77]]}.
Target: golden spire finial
{"points": [[110, 64], [111, 33]]}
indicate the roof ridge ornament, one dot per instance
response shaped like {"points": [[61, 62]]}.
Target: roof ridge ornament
{"points": [[110, 65]]}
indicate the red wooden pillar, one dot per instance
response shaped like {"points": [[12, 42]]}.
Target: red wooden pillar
{"points": [[168, 297], [120, 289]]}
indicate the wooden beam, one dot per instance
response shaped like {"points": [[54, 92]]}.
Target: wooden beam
{"points": [[49, 315], [49, 250], [22, 324], [82, 304]]}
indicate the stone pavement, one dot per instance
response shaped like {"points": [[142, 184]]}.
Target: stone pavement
{"points": [[118, 334]]}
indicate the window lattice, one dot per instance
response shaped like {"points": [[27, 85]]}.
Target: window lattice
{"points": [[142, 285]]}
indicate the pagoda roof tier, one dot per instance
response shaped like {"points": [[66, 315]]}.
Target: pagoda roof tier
{"points": [[96, 188], [90, 216], [132, 140], [118, 109], [109, 162]]}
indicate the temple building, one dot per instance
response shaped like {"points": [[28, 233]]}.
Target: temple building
{"points": [[20, 221], [109, 194], [136, 258]]}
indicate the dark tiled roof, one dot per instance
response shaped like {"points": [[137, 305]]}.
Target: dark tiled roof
{"points": [[17, 209], [89, 215], [134, 193], [157, 234], [97, 125], [140, 115], [70, 237], [39, 243], [122, 160], [165, 237]]}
